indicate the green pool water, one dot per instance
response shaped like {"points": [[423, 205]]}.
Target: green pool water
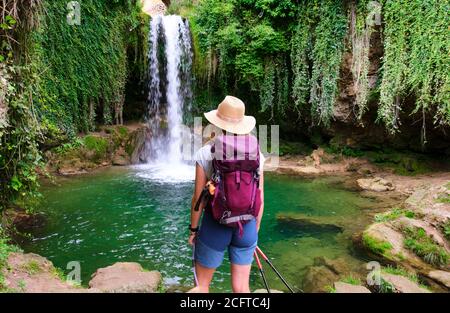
{"points": [[131, 214]]}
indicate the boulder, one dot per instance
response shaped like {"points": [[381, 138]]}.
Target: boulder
{"points": [[385, 241], [154, 7], [338, 266], [404, 222], [442, 277], [124, 277], [137, 145], [32, 273], [341, 287], [402, 284], [377, 184], [317, 279], [121, 158]]}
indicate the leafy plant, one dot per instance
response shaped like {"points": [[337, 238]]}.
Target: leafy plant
{"points": [[415, 62], [5, 250], [417, 240], [393, 214], [351, 280], [402, 272], [446, 229]]}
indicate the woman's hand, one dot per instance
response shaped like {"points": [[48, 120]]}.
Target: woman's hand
{"points": [[191, 238]]}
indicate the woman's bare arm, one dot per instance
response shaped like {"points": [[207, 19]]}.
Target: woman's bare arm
{"points": [[261, 210], [200, 182]]}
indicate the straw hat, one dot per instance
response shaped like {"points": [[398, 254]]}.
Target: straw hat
{"points": [[230, 116]]}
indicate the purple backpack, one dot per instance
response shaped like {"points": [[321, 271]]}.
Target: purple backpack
{"points": [[237, 197]]}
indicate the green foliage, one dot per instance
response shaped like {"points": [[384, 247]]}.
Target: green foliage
{"points": [[19, 151], [98, 145], [326, 57], [32, 267], [351, 280], [361, 27], [74, 144], [330, 289], [293, 148], [416, 61], [5, 250], [55, 78], [375, 245], [83, 66], [393, 215], [446, 229], [386, 287], [290, 53], [417, 240], [401, 272], [250, 41], [403, 163]]}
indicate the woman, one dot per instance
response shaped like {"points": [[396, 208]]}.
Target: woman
{"points": [[212, 239]]}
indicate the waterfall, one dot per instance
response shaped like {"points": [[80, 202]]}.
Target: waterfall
{"points": [[170, 95], [170, 80]]}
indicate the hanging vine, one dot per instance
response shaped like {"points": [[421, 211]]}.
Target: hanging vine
{"points": [[416, 61], [316, 56], [364, 16]]}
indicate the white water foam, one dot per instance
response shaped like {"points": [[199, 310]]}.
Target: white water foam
{"points": [[161, 172]]}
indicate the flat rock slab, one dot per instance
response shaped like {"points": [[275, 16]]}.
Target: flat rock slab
{"points": [[402, 284], [442, 277], [341, 287], [32, 273], [125, 277]]}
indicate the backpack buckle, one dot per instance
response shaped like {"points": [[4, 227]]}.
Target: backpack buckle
{"points": [[225, 215]]}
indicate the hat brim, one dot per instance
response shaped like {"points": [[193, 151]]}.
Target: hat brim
{"points": [[245, 126]]}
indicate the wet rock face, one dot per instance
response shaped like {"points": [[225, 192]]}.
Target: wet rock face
{"points": [[21, 221], [125, 277], [137, 146]]}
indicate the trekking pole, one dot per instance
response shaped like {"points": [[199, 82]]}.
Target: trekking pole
{"points": [[193, 265], [261, 270], [274, 269]]}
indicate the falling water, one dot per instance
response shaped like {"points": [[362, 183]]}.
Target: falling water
{"points": [[170, 94]]}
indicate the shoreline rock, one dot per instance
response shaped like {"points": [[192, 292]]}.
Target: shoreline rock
{"points": [[32, 273], [341, 287], [376, 184], [125, 277], [402, 284]]}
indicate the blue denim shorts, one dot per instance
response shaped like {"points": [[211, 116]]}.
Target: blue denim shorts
{"points": [[214, 239]]}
